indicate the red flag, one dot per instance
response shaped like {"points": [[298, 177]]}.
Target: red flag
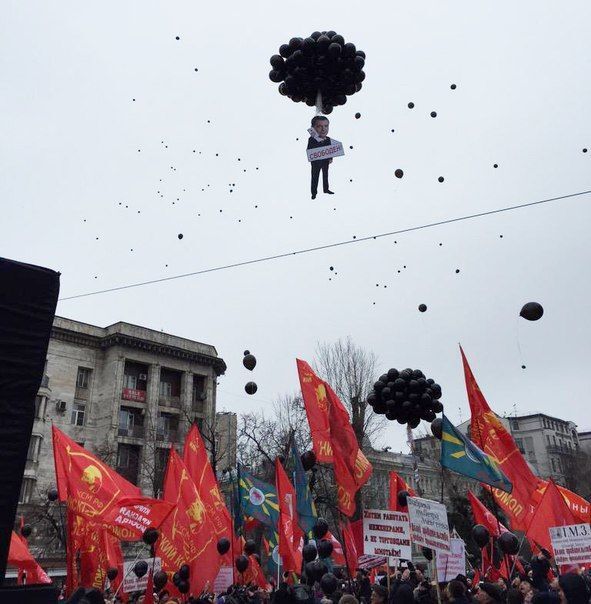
{"points": [[398, 484], [487, 431], [482, 515], [197, 462], [350, 547], [187, 536], [338, 555], [551, 511], [357, 533], [254, 574], [578, 506], [95, 491], [20, 556], [149, 597], [316, 402], [351, 467], [290, 536]]}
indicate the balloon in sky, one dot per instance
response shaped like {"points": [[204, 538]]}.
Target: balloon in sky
{"points": [[532, 311]]}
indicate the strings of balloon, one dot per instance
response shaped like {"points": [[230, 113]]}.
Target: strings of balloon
{"points": [[330, 245]]}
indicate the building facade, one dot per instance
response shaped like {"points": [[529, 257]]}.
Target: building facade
{"points": [[124, 392], [549, 444]]}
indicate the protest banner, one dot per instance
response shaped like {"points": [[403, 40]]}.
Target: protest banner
{"points": [[449, 566], [367, 561], [571, 543], [335, 149], [386, 533], [131, 582], [428, 524], [223, 580]]}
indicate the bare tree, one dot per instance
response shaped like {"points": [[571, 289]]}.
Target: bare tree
{"points": [[351, 372]]}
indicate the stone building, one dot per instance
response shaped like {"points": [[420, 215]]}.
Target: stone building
{"points": [[226, 427], [125, 393], [549, 444]]}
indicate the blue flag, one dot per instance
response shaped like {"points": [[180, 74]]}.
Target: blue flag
{"points": [[257, 498], [463, 457], [306, 509]]}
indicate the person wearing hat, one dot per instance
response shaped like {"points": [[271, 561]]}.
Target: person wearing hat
{"points": [[488, 593], [379, 595]]}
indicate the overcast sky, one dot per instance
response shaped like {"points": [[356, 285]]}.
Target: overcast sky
{"points": [[80, 159]]}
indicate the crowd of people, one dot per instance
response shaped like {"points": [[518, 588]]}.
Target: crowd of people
{"points": [[536, 584]]}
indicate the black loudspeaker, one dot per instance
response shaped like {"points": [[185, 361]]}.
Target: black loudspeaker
{"points": [[29, 594], [28, 297]]}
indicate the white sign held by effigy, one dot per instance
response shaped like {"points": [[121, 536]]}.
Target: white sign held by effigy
{"points": [[449, 566], [428, 524], [335, 149], [571, 543], [131, 582], [386, 533]]}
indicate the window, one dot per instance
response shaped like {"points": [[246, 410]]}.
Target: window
{"points": [[34, 447], [130, 381], [165, 389], [519, 443], [514, 424], [78, 414], [547, 439], [27, 488], [39, 407], [553, 465], [83, 379]]}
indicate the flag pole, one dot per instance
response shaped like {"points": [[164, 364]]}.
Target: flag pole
{"points": [[437, 589]]}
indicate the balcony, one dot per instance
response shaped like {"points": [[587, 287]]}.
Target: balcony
{"points": [[131, 431], [170, 401], [557, 449], [169, 436], [132, 394], [81, 393]]}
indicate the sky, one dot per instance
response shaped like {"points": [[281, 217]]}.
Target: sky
{"points": [[117, 137]]}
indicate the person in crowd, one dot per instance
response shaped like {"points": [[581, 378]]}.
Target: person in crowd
{"points": [[363, 586], [574, 587], [379, 595], [514, 595], [348, 599], [456, 592], [488, 593]]}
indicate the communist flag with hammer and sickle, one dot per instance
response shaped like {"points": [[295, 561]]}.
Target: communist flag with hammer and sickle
{"points": [[94, 491]]}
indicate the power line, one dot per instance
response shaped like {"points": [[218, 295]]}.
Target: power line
{"points": [[327, 246]]}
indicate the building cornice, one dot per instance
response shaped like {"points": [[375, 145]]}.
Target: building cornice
{"points": [[119, 339]]}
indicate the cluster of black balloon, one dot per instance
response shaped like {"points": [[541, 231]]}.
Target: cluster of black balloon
{"points": [[250, 362], [315, 568], [180, 579], [322, 63], [508, 542], [406, 396]]}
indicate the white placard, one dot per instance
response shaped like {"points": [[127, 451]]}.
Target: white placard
{"points": [[224, 579], [428, 524], [131, 582], [449, 566], [571, 543], [386, 533], [335, 149]]}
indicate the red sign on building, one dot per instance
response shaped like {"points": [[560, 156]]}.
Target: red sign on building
{"points": [[131, 394]]}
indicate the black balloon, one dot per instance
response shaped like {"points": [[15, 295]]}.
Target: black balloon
{"points": [[251, 388], [183, 586], [223, 546], [308, 460], [26, 530], [160, 580], [176, 579], [241, 563], [509, 543], [150, 536], [325, 548], [428, 553], [309, 552], [532, 311], [320, 528], [112, 573], [52, 494], [422, 307], [329, 584], [398, 173], [250, 547], [249, 361], [437, 428], [184, 571], [402, 498], [140, 568], [480, 535]]}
